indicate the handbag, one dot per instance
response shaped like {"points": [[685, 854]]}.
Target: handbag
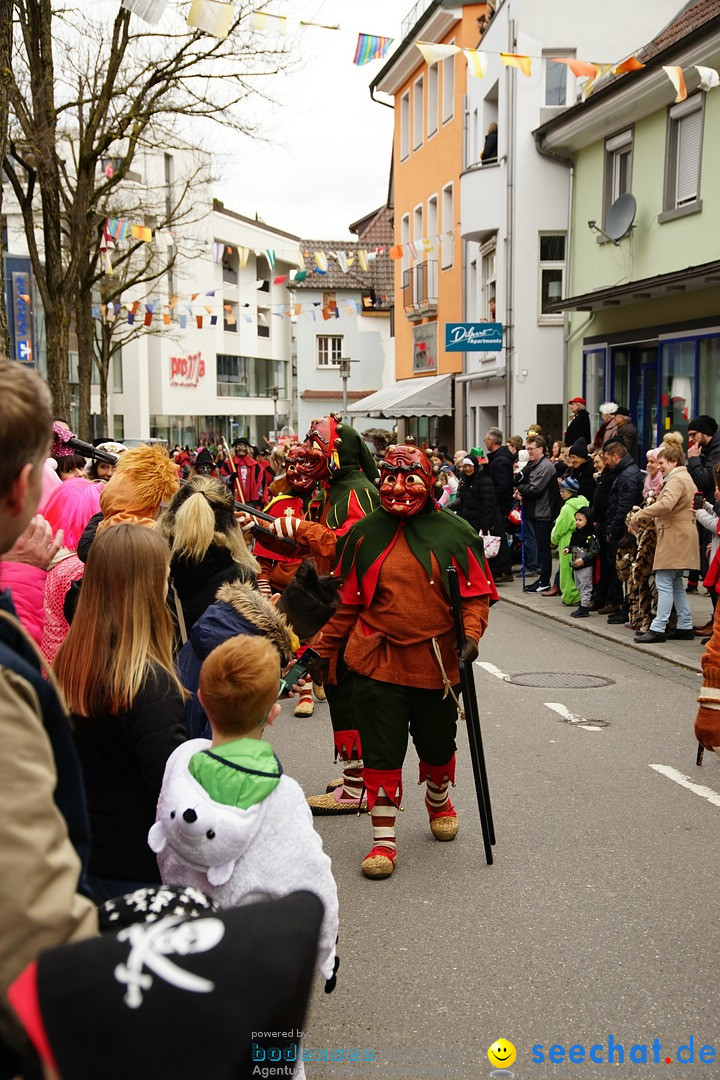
{"points": [[491, 544]]}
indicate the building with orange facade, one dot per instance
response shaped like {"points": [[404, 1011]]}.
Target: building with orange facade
{"points": [[427, 161]]}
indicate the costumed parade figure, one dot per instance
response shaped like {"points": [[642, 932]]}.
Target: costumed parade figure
{"points": [[329, 485], [396, 626]]}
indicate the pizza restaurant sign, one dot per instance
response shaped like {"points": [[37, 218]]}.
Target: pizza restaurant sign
{"points": [[186, 370]]}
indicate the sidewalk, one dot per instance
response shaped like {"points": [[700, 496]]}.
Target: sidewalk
{"points": [[685, 654]]}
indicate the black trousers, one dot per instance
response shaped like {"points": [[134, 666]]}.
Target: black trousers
{"points": [[386, 713], [543, 529]]}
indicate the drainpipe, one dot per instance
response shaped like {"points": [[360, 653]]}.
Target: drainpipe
{"points": [[510, 236], [567, 336]]}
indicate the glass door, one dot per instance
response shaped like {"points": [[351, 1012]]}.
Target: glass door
{"points": [[646, 399]]}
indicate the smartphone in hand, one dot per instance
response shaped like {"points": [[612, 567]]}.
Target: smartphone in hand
{"points": [[298, 671]]}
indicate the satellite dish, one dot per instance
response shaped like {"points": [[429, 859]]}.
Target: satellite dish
{"points": [[620, 217]]}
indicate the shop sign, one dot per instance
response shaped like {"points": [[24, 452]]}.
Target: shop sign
{"points": [[186, 370], [473, 337]]}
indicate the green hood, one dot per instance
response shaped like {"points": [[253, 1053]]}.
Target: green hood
{"points": [[240, 773]]}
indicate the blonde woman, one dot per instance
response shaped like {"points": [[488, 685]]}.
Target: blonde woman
{"points": [[207, 547], [116, 671]]}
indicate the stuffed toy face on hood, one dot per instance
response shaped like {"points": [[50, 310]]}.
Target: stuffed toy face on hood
{"points": [[206, 835]]}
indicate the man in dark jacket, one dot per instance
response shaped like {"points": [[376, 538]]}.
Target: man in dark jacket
{"points": [[625, 492], [582, 468], [703, 454], [702, 457], [535, 491], [501, 466], [579, 426], [626, 433]]}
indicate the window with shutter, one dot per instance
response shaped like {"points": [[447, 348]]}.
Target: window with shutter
{"points": [[683, 157], [689, 137]]}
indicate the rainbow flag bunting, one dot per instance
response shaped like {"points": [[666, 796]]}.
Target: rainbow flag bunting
{"points": [[370, 47]]}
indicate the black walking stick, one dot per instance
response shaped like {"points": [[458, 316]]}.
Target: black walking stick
{"points": [[472, 718]]}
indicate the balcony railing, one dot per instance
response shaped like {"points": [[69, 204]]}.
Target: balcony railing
{"points": [[420, 288]]}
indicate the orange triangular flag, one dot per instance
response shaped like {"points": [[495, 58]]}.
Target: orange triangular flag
{"points": [[580, 68], [631, 64], [516, 61]]}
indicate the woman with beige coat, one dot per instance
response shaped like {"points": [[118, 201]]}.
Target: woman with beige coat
{"points": [[677, 546]]}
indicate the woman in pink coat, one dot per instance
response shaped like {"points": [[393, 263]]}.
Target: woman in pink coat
{"points": [[69, 508]]}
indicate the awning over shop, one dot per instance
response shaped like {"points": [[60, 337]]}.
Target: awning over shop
{"points": [[690, 279], [431, 396]]}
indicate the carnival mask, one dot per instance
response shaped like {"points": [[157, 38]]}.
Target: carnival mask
{"points": [[305, 466], [406, 481]]}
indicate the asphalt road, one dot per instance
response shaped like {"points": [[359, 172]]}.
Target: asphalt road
{"points": [[598, 919]]}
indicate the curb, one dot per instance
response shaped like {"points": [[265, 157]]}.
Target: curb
{"points": [[587, 627]]}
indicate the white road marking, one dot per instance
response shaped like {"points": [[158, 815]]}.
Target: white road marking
{"points": [[570, 717], [491, 669], [686, 782]]}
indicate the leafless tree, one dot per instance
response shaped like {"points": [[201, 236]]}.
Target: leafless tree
{"points": [[83, 88]]}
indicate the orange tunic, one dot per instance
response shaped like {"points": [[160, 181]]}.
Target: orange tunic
{"points": [[391, 640]]}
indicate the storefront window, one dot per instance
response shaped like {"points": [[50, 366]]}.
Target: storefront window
{"points": [[709, 377], [677, 382]]}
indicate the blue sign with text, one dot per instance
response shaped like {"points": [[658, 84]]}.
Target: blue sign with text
{"points": [[473, 337]]}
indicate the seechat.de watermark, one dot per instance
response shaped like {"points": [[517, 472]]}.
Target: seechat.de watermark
{"points": [[610, 1052]]}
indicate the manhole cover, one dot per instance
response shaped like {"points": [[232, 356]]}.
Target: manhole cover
{"points": [[566, 679]]}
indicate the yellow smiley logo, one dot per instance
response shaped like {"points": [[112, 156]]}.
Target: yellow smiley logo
{"points": [[501, 1054]]}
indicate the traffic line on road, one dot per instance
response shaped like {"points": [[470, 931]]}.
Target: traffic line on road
{"points": [[491, 669], [571, 718], [686, 782]]}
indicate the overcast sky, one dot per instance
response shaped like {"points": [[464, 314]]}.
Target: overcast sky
{"points": [[328, 162]]}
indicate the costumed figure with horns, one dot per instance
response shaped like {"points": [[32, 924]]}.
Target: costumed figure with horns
{"points": [[396, 627], [329, 485]]}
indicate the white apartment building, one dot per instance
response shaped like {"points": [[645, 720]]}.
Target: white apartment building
{"points": [[216, 358]]}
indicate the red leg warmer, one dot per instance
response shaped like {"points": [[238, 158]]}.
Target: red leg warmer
{"points": [[437, 773], [389, 779], [347, 745]]}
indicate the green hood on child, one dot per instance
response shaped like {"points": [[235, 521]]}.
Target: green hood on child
{"points": [[240, 773]]}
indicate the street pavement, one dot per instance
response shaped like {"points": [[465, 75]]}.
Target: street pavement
{"points": [[597, 920]]}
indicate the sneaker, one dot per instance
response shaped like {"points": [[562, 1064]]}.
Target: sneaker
{"points": [[529, 571], [580, 613], [618, 619], [536, 586], [504, 579]]}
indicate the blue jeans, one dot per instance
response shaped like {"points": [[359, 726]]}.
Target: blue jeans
{"points": [[530, 545], [671, 590]]}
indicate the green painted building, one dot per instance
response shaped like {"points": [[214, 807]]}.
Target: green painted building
{"points": [[642, 301]]}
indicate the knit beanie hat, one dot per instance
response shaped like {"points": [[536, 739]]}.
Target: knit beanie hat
{"points": [[704, 425], [579, 449], [181, 997], [570, 484]]}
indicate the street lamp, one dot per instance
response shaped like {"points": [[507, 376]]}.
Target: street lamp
{"points": [[344, 362], [274, 392]]}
